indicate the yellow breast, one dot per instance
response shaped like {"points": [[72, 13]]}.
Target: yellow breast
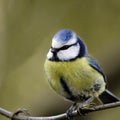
{"points": [[78, 74]]}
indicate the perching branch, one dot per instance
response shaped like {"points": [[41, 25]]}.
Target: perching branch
{"points": [[9, 114]]}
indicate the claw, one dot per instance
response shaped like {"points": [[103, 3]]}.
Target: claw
{"points": [[81, 111], [85, 109], [69, 112], [90, 105]]}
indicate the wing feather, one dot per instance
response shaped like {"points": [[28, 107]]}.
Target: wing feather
{"points": [[96, 66]]}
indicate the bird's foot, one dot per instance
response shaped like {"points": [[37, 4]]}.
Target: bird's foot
{"points": [[69, 112], [84, 109]]}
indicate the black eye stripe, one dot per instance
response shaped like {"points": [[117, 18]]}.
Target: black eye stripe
{"points": [[64, 47], [67, 46]]}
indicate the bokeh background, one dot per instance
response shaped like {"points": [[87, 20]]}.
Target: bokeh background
{"points": [[26, 30]]}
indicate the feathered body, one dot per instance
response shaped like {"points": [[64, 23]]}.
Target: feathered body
{"points": [[82, 80], [71, 72]]}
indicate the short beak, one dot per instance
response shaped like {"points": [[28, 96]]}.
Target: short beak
{"points": [[54, 50]]}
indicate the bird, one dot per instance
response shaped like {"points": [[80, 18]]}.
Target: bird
{"points": [[73, 73]]}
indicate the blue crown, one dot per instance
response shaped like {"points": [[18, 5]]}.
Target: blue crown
{"points": [[63, 35]]}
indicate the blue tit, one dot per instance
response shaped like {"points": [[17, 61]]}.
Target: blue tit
{"points": [[72, 72]]}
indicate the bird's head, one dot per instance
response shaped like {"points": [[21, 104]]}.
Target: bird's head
{"points": [[66, 46]]}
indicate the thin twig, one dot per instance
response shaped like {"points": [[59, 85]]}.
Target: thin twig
{"points": [[9, 114]]}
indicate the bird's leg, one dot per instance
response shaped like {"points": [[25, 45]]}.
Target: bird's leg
{"points": [[70, 110], [85, 105], [100, 102]]}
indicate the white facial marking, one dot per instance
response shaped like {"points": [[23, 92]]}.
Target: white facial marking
{"points": [[72, 40], [65, 54], [57, 44], [50, 54], [69, 53]]}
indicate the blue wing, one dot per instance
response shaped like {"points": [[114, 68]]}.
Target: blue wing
{"points": [[96, 66]]}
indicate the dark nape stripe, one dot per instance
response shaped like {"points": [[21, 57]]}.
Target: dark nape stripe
{"points": [[83, 49]]}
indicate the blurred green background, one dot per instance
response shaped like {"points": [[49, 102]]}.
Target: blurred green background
{"points": [[26, 30]]}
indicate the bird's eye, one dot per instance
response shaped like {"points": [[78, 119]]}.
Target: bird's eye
{"points": [[65, 47]]}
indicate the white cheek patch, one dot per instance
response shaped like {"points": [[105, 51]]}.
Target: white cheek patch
{"points": [[70, 53], [50, 54]]}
